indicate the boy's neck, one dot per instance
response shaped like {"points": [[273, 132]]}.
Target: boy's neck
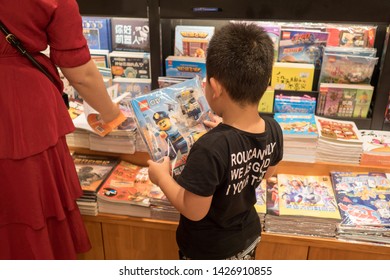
{"points": [[244, 118]]}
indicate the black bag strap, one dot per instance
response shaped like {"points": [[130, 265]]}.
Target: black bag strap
{"points": [[15, 42]]}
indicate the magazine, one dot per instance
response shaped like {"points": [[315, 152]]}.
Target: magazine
{"points": [[171, 119]]}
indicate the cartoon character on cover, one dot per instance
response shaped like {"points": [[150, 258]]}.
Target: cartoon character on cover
{"points": [[188, 104], [171, 134]]}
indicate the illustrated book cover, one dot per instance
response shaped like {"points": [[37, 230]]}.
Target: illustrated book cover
{"points": [[302, 46], [344, 100], [185, 67], [363, 198], [92, 170], [338, 130], [170, 120], [130, 34], [97, 32], [297, 125], [191, 40], [130, 64], [290, 102], [292, 76], [129, 183], [303, 195]]}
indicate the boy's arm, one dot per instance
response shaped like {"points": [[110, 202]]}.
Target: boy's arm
{"points": [[192, 206]]}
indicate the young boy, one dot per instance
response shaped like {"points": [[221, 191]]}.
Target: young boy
{"points": [[215, 193]]}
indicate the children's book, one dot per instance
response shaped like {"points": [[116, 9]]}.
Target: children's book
{"points": [[363, 198], [302, 46], [272, 195], [130, 65], [92, 170], [130, 34], [338, 131], [310, 196], [129, 183], [136, 87], [347, 69], [302, 104], [297, 125], [100, 57], [97, 32], [266, 102], [261, 197], [192, 40], [171, 119], [344, 100], [185, 67], [376, 147], [352, 36], [292, 76]]}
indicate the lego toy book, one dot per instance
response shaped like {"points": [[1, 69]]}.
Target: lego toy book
{"points": [[192, 40], [170, 120]]}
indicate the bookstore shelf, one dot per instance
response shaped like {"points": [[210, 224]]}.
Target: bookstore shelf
{"points": [[124, 237]]}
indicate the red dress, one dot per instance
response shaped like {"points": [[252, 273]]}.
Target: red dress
{"points": [[39, 218]]}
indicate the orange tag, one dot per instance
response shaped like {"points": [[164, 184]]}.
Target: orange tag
{"points": [[102, 128]]}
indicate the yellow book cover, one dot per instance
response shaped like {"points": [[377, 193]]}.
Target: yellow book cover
{"points": [[309, 196], [292, 76], [267, 101]]}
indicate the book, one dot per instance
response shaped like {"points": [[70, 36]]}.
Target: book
{"points": [[292, 76], [363, 197], [130, 64], [304, 195], [297, 125], [338, 130], [302, 46], [191, 40], [97, 32], [100, 57], [135, 87], [344, 100], [185, 67], [302, 104], [130, 34], [261, 196], [376, 147], [347, 69], [130, 184], [92, 170], [266, 102], [353, 36], [170, 120]]}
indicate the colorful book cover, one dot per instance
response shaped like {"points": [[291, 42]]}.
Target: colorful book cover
{"points": [[129, 183], [363, 198], [261, 191], [97, 32], [92, 170], [352, 36], [130, 65], [292, 76], [338, 130], [267, 101], [302, 46], [100, 57], [347, 69], [192, 40], [170, 120], [303, 104], [136, 87], [310, 196], [272, 195], [376, 141], [297, 125], [130, 34], [185, 67]]}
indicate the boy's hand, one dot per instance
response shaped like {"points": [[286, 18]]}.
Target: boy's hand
{"points": [[214, 120], [159, 170]]}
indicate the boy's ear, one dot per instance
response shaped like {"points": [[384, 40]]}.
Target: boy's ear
{"points": [[216, 87]]}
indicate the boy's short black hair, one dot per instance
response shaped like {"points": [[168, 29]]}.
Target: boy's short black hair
{"points": [[240, 56]]}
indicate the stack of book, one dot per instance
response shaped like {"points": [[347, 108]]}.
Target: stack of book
{"points": [[339, 141], [92, 171], [363, 199], [376, 147], [302, 205], [162, 209], [299, 136], [127, 191]]}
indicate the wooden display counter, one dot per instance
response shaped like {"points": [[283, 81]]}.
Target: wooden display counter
{"points": [[123, 237]]}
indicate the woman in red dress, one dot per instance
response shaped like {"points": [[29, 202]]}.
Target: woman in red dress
{"points": [[39, 218]]}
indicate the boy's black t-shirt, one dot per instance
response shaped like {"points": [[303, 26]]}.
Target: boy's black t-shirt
{"points": [[229, 164]]}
